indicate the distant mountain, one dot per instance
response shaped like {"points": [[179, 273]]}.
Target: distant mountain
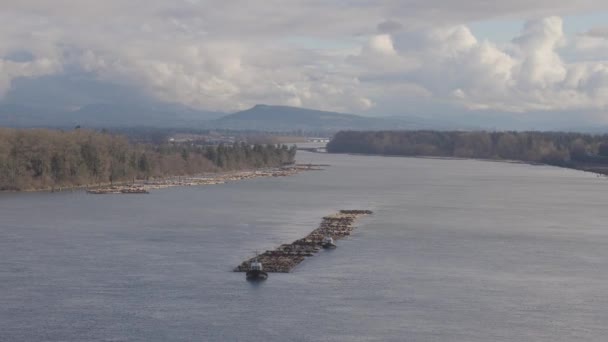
{"points": [[258, 118], [284, 118], [106, 115], [266, 118]]}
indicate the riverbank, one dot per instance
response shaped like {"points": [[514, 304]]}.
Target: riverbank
{"points": [[600, 170], [144, 187], [49, 160], [141, 186], [577, 151]]}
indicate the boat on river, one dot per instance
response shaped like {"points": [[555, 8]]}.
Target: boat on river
{"points": [[256, 271], [328, 242]]}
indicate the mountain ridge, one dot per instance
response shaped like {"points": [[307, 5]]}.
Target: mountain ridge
{"points": [[277, 118], [261, 117]]}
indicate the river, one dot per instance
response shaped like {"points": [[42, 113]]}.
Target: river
{"points": [[457, 250]]}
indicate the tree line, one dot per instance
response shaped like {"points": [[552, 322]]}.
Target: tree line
{"points": [[554, 148], [42, 158]]}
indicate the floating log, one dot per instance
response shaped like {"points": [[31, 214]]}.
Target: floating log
{"points": [[118, 190], [207, 179], [284, 258]]}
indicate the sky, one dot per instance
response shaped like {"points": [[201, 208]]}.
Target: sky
{"points": [[371, 57]]}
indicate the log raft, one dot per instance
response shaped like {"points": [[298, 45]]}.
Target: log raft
{"points": [[286, 257], [143, 187]]}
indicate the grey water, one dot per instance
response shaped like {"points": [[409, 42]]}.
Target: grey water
{"points": [[457, 250]]}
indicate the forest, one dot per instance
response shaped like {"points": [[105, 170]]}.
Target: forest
{"points": [[33, 159], [575, 150]]}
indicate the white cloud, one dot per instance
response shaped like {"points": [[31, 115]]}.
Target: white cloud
{"points": [[526, 75], [381, 44], [228, 55]]}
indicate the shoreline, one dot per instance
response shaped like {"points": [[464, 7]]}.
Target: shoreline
{"points": [[144, 187], [597, 170], [509, 161], [199, 179]]}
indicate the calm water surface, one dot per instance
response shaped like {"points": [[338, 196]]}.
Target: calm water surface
{"points": [[456, 251]]}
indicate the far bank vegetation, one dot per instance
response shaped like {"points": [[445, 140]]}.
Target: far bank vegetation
{"points": [[46, 159], [554, 148]]}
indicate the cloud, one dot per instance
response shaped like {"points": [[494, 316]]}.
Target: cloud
{"points": [[382, 56], [389, 26], [381, 44], [527, 74], [598, 32]]}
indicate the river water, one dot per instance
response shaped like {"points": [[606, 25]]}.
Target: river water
{"points": [[457, 250]]}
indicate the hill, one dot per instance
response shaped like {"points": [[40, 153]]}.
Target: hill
{"points": [[284, 118], [172, 116]]}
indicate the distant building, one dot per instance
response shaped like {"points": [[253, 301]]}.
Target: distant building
{"points": [[317, 140]]}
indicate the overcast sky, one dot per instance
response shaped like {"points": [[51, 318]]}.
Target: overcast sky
{"points": [[370, 57]]}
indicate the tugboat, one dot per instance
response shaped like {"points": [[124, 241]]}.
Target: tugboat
{"points": [[256, 272], [328, 242]]}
